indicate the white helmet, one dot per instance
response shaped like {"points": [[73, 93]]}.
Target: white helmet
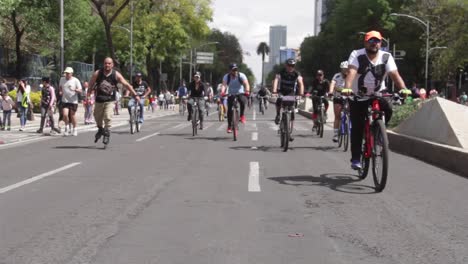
{"points": [[344, 65]]}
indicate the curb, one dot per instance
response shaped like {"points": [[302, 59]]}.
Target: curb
{"points": [[443, 156]]}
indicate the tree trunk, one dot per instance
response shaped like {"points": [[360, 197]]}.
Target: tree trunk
{"points": [[110, 44], [19, 56], [263, 68]]}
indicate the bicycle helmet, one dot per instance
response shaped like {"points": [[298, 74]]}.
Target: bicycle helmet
{"points": [[197, 74], [344, 65], [291, 62], [232, 66]]}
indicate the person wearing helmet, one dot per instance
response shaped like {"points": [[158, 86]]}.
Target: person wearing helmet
{"points": [[237, 85], [336, 86], [285, 83], [196, 89], [320, 87]]}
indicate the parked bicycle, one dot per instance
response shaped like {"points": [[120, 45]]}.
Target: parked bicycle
{"points": [[375, 143]]}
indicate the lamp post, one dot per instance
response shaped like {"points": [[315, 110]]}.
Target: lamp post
{"points": [[426, 24], [62, 60], [191, 56]]}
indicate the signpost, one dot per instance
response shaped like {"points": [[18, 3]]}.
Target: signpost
{"points": [[204, 57]]}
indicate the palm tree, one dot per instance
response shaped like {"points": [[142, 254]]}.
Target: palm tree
{"points": [[263, 49]]}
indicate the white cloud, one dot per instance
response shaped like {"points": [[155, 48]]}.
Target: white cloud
{"points": [[250, 21]]}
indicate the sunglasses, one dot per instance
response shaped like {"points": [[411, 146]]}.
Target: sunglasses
{"points": [[291, 65], [235, 69], [374, 41]]}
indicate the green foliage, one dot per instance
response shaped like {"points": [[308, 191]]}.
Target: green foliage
{"points": [[36, 101], [12, 94], [403, 112]]}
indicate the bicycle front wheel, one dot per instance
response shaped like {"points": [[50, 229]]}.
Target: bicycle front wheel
{"points": [[137, 121], [347, 132], [321, 122], [379, 155], [235, 123], [132, 118], [286, 131], [194, 121]]}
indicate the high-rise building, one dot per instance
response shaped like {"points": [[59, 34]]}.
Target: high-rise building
{"points": [[321, 15], [277, 40], [287, 53]]}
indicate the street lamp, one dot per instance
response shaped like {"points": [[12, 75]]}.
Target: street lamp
{"points": [[433, 48], [191, 56], [426, 24]]}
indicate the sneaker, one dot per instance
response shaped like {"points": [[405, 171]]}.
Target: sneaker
{"points": [[335, 138], [21, 129], [356, 165], [65, 132], [277, 119], [201, 126], [242, 119], [39, 131], [75, 132], [140, 121], [189, 117], [229, 130], [8, 128], [56, 130]]}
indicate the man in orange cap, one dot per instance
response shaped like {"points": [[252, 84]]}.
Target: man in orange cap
{"points": [[368, 68]]}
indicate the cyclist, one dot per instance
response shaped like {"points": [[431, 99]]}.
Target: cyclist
{"points": [[263, 94], [368, 68], [236, 84], [336, 86], [320, 87], [221, 101], [182, 94], [209, 93], [285, 83], [105, 81], [196, 89], [142, 89]]}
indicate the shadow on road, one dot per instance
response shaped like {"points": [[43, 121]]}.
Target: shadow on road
{"points": [[277, 148], [78, 147], [210, 138], [176, 135], [339, 182]]}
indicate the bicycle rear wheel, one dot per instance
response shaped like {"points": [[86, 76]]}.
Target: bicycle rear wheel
{"points": [[194, 121], [380, 155], [286, 132], [262, 108], [137, 120], [235, 123]]}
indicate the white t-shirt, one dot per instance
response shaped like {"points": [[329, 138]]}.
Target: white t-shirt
{"points": [[339, 82], [69, 88], [19, 96], [369, 80]]}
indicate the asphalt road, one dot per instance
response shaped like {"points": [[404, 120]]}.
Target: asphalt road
{"points": [[163, 196]]}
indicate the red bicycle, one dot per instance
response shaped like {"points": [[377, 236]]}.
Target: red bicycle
{"points": [[375, 143]]}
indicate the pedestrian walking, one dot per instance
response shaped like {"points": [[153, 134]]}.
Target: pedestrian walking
{"points": [[88, 104], [47, 105], [70, 90], [22, 102], [7, 106]]}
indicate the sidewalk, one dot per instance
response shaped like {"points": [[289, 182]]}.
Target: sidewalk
{"points": [[29, 134]]}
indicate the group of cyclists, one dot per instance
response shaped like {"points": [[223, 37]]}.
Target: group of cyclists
{"points": [[362, 74]]}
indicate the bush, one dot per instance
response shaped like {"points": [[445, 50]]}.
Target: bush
{"points": [[401, 113], [35, 99]]}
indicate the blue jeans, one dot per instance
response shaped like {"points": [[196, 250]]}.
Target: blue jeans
{"points": [[131, 103], [22, 111]]}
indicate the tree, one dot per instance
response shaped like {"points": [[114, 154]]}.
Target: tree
{"points": [[263, 49], [108, 12]]}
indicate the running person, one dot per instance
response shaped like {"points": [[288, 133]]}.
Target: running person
{"points": [[336, 86], [236, 84], [142, 89], [196, 89], [104, 83], [70, 90], [368, 68], [287, 80]]}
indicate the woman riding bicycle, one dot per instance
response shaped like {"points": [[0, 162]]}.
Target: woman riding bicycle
{"points": [[336, 86]]}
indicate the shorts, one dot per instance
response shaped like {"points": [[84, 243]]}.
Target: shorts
{"points": [[70, 106]]}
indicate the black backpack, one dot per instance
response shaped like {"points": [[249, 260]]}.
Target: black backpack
{"points": [[241, 81], [377, 71]]}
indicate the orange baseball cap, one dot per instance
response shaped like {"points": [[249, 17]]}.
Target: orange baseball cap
{"points": [[372, 34]]}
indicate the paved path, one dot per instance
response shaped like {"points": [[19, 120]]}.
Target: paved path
{"points": [[163, 196]]}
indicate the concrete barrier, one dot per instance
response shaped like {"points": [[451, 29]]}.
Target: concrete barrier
{"points": [[443, 156]]}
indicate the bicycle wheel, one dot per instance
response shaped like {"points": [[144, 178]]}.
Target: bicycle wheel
{"points": [[281, 132], [137, 120], [341, 131], [132, 118], [347, 132], [379, 155], [262, 108], [286, 132], [365, 163], [235, 123], [321, 122], [194, 121]]}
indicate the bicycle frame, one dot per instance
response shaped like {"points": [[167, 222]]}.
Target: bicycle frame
{"points": [[374, 113]]}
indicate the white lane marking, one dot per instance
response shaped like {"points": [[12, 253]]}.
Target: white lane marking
{"points": [[38, 177], [254, 136], [254, 114], [180, 126], [146, 137], [253, 148], [251, 127], [273, 126], [254, 177], [208, 125]]}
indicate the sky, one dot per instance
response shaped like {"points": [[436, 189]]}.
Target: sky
{"points": [[250, 21]]}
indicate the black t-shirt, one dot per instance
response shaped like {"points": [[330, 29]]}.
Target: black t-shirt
{"points": [[140, 88], [196, 92], [288, 82], [262, 92], [321, 87]]}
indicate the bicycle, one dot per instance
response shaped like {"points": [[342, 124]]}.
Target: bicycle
{"points": [[288, 106], [134, 121], [263, 104], [319, 123], [195, 118], [235, 117], [375, 143], [221, 109], [345, 125], [182, 105]]}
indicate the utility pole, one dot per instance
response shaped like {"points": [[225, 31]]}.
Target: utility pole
{"points": [[62, 51]]}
